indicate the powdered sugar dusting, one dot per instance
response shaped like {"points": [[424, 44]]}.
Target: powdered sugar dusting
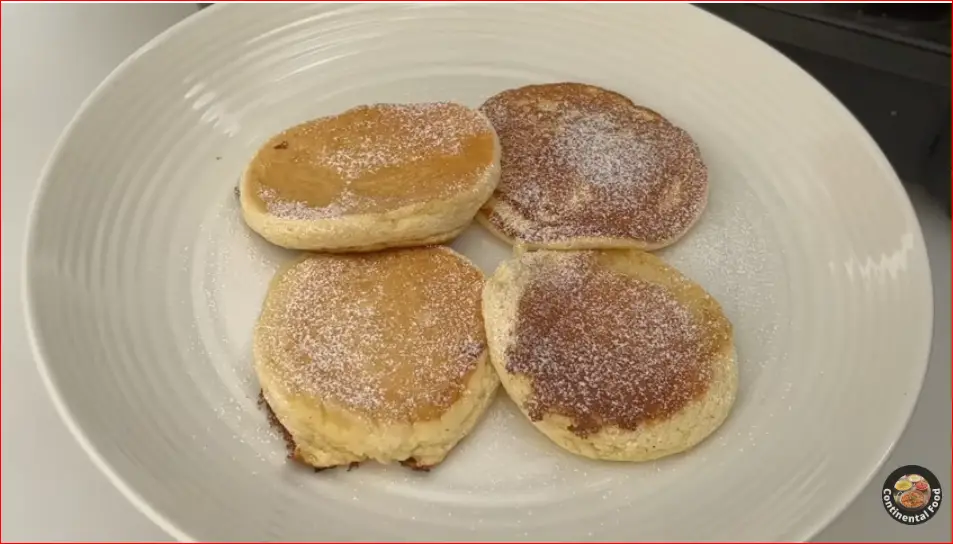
{"points": [[602, 348], [579, 161], [340, 158], [374, 335], [296, 209], [438, 127], [602, 151]]}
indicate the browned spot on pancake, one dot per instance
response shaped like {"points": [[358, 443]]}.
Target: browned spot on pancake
{"points": [[273, 421], [289, 441], [392, 336], [603, 348], [412, 464], [580, 161], [372, 159]]}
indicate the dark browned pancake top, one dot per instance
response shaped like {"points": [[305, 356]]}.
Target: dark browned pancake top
{"points": [[579, 161], [604, 348]]}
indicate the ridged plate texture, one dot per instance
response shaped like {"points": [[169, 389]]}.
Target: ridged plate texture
{"points": [[144, 284]]}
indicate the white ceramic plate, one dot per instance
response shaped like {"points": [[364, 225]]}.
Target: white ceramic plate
{"points": [[143, 283]]}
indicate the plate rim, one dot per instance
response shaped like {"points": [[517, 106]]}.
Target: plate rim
{"points": [[39, 357], [904, 207]]}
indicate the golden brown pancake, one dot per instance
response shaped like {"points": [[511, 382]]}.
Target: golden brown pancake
{"points": [[385, 175], [612, 354], [377, 356], [584, 167]]}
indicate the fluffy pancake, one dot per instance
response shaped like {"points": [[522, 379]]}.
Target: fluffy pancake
{"points": [[612, 354], [584, 167], [375, 356], [373, 177]]}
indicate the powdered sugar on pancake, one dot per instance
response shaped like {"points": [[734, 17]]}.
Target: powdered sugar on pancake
{"points": [[338, 160], [391, 336], [583, 162], [605, 153], [605, 349], [439, 127], [293, 209]]}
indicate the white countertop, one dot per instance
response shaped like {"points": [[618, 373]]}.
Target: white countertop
{"points": [[53, 56]]}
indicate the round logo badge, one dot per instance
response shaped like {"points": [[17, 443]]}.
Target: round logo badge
{"points": [[912, 495]]}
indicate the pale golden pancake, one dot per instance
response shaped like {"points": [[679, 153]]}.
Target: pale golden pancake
{"points": [[386, 175], [375, 356]]}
